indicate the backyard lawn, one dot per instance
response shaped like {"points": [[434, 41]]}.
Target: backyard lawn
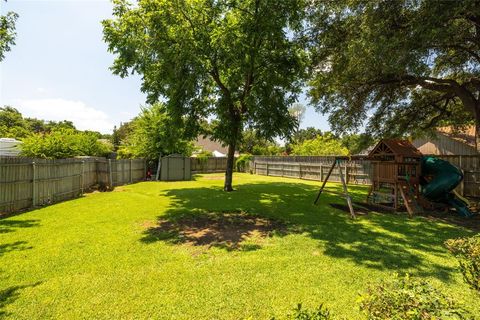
{"points": [[188, 250]]}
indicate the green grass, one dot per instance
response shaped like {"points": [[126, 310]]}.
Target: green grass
{"points": [[96, 257]]}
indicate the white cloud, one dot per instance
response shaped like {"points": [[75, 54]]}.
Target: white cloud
{"points": [[82, 116]]}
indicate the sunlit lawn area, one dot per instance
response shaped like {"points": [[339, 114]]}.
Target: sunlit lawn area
{"points": [[107, 256]]}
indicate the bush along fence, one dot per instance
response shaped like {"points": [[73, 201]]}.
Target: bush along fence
{"points": [[28, 183], [355, 171]]}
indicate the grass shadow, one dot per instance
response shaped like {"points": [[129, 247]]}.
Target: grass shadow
{"points": [[9, 225], [14, 246], [380, 241], [9, 295]]}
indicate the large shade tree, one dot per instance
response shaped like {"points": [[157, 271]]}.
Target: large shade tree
{"points": [[236, 61], [397, 66], [7, 31]]}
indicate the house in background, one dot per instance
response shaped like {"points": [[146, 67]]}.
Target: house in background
{"points": [[10, 147], [216, 148], [448, 142]]}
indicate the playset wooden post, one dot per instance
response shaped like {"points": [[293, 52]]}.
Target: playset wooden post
{"points": [[336, 162]]}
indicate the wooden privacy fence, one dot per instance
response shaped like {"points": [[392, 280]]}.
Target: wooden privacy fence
{"points": [[312, 168], [206, 165], [470, 166], [27, 183], [356, 171]]}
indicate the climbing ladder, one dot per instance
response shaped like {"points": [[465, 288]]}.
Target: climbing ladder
{"points": [[409, 199]]}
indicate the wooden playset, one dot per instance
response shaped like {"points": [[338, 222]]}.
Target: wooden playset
{"points": [[395, 178]]}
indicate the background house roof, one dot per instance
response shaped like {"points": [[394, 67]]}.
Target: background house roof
{"points": [[207, 144], [465, 135]]}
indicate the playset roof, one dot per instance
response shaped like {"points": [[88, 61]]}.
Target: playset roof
{"points": [[395, 147]]}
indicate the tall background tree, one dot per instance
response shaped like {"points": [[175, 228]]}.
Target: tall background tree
{"points": [[233, 60], [151, 134], [7, 32], [397, 66]]}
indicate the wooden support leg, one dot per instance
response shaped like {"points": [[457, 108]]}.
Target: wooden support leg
{"points": [[370, 191], [347, 196], [325, 181]]}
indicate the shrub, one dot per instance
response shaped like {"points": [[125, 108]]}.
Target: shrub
{"points": [[64, 143], [403, 298], [242, 161], [153, 133], [467, 251], [299, 313]]}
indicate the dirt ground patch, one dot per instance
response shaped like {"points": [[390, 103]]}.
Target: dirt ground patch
{"points": [[221, 229]]}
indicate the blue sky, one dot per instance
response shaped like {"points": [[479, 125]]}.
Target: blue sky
{"points": [[59, 67]]}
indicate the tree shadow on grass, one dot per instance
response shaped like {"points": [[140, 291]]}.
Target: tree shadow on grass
{"points": [[14, 246], [9, 295], [10, 225], [380, 241]]}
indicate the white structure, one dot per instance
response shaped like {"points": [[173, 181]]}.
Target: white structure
{"points": [[217, 149], [218, 154], [10, 147]]}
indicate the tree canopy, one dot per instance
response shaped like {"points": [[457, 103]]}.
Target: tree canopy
{"points": [[398, 67], [252, 143], [153, 133], [14, 125], [7, 32], [237, 61], [325, 145]]}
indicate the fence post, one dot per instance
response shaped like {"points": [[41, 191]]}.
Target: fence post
{"points": [[168, 168], [300, 170], [82, 181], [267, 168], [144, 169], [321, 172], [462, 184], [110, 173], [346, 172], [130, 170], [34, 200]]}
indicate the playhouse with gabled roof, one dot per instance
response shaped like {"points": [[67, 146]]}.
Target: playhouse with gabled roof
{"points": [[396, 169]]}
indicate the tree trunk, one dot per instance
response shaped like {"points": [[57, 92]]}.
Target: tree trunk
{"points": [[477, 129], [229, 172]]}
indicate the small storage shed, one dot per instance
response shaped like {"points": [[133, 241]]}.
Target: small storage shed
{"points": [[396, 174], [175, 167]]}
